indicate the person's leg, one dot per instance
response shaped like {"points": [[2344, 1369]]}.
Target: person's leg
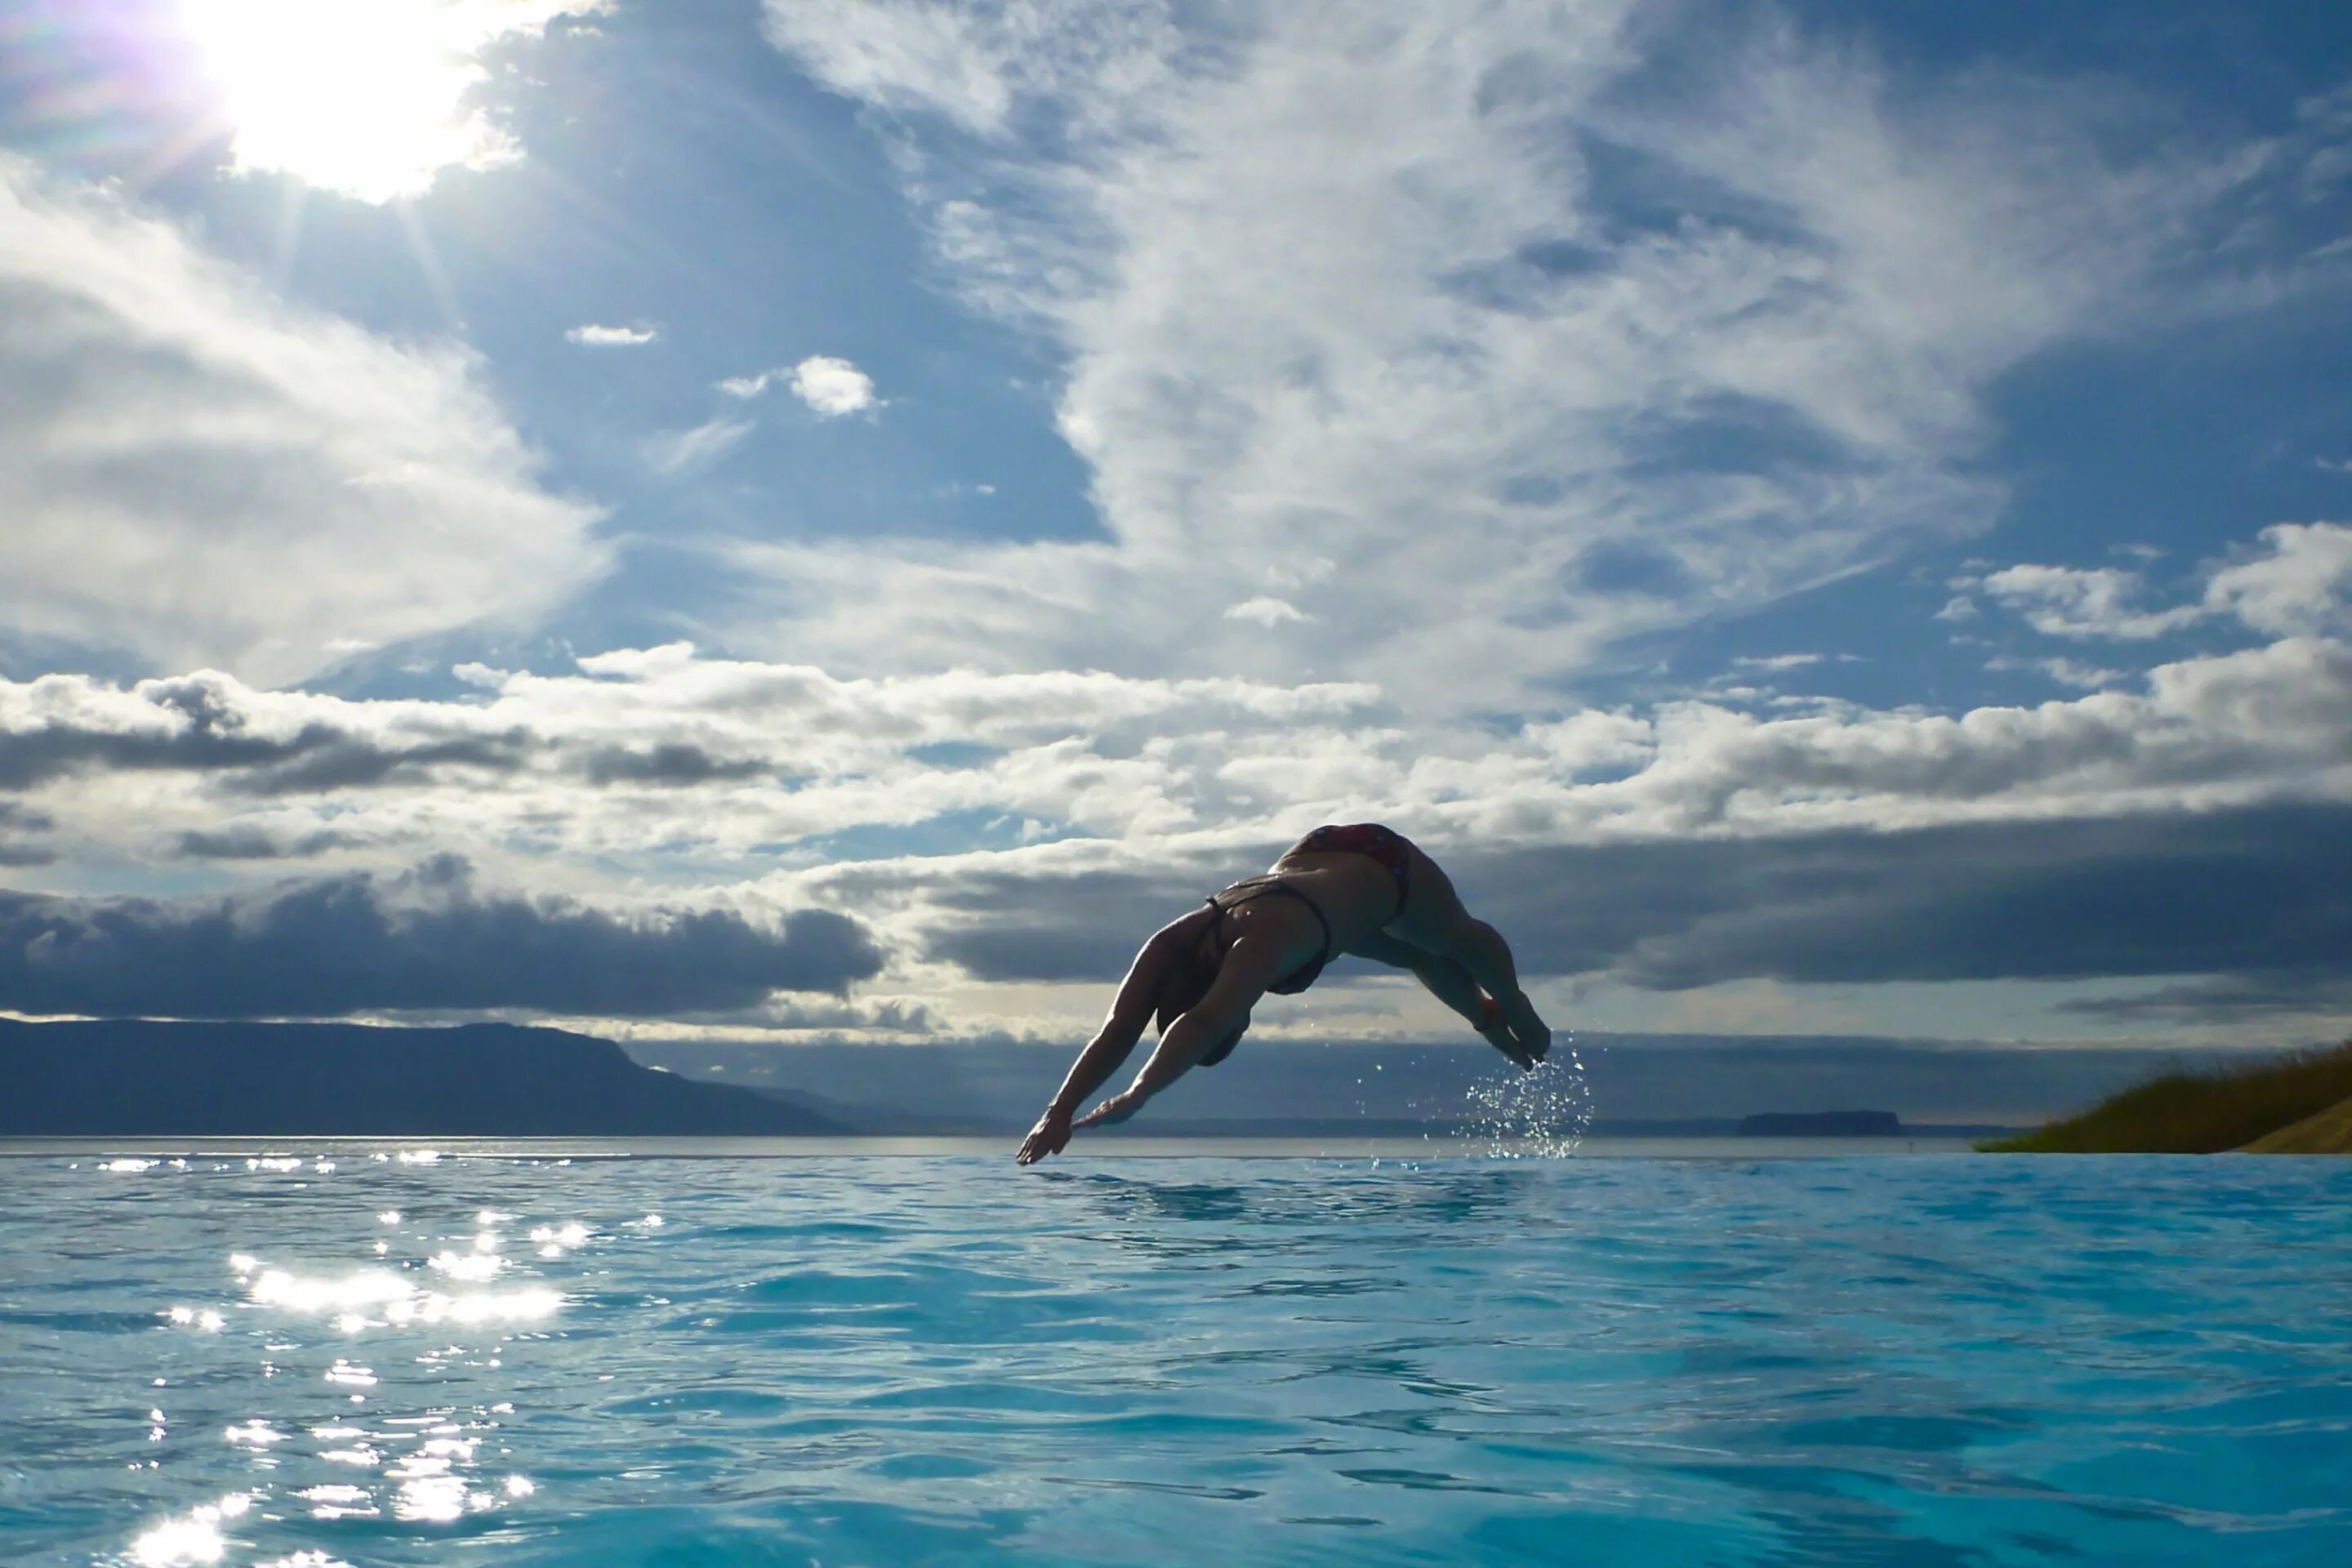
{"points": [[1451, 984], [1433, 918]]}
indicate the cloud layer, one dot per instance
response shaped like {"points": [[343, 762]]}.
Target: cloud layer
{"points": [[1448, 356], [202, 475], [427, 940], [2178, 823]]}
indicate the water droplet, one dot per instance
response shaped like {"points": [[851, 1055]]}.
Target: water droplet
{"points": [[1543, 1114]]}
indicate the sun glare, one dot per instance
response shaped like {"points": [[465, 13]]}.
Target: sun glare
{"points": [[370, 97]]}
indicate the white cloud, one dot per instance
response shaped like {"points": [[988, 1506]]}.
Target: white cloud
{"points": [[2301, 586], [2100, 603], [1333, 284], [832, 386], [2064, 671], [972, 66], [2297, 582], [593, 336], [679, 450], [657, 749], [648, 751], [920, 56], [1265, 611], [1777, 661], [198, 473]]}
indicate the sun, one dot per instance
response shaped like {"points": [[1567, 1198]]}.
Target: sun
{"points": [[370, 97]]}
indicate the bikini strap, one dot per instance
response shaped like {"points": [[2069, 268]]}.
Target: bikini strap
{"points": [[1261, 886]]}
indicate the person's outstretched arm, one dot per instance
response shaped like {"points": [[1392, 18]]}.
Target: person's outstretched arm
{"points": [[1250, 966], [1130, 1010]]}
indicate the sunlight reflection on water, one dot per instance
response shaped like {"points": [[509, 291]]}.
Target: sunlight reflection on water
{"points": [[195, 1538], [427, 1465], [1929, 1361]]}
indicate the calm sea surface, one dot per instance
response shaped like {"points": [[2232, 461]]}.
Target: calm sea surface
{"points": [[363, 1355]]}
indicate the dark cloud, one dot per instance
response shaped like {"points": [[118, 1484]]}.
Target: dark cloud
{"points": [[2180, 893], [674, 763], [16, 852], [2229, 999], [333, 761], [1080, 927], [424, 940], [211, 732], [212, 736], [2258, 891], [243, 841]]}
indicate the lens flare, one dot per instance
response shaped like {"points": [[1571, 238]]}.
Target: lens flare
{"points": [[370, 98]]}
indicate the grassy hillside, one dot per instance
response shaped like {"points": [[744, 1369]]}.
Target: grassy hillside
{"points": [[2329, 1132], [2202, 1112]]}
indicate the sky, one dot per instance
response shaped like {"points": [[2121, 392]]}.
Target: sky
{"points": [[825, 522]]}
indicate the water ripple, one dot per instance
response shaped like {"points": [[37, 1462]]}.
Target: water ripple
{"points": [[274, 1362]]}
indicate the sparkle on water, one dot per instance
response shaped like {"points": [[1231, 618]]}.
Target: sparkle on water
{"points": [[1944, 1362]]}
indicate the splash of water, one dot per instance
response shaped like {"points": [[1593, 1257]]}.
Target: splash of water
{"points": [[1538, 1115]]}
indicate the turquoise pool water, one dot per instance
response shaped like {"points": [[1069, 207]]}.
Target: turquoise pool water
{"points": [[367, 1359]]}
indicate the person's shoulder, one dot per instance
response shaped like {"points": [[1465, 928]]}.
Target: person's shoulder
{"points": [[1179, 933]]}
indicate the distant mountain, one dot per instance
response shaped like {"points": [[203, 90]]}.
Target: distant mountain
{"points": [[108, 1078]]}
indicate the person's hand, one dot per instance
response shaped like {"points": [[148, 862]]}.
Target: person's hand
{"points": [[1112, 1111], [1050, 1136]]}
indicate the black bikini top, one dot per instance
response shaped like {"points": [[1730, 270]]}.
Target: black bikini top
{"points": [[1300, 979]]}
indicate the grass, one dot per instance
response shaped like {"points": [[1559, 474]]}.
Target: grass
{"points": [[2202, 1112]]}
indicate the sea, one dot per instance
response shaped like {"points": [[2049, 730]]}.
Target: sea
{"points": [[848, 1356]]}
